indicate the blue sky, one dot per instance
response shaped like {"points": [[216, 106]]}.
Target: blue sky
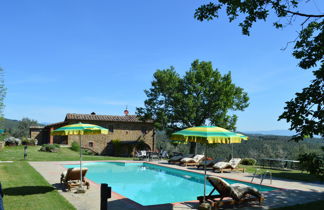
{"points": [[82, 56]]}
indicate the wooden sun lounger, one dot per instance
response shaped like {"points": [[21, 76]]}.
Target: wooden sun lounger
{"points": [[189, 164], [230, 169], [71, 178], [230, 166], [177, 159], [194, 161], [209, 163], [238, 193]]}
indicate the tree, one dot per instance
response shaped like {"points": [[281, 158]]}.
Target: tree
{"points": [[3, 92], [305, 112], [22, 129], [202, 96]]}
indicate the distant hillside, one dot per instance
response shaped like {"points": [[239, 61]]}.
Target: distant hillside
{"points": [[258, 146], [272, 132], [9, 124]]}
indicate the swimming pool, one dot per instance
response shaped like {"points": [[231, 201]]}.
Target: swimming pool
{"points": [[149, 184]]}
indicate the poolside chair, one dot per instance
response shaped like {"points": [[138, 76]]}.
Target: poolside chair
{"points": [[164, 154], [153, 155], [177, 158], [71, 178], [232, 165], [141, 154], [208, 163], [192, 161], [238, 192]]}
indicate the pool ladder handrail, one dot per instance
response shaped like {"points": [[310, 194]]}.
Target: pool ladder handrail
{"points": [[262, 175]]}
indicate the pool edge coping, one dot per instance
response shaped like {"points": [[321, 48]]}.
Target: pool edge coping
{"points": [[138, 205]]}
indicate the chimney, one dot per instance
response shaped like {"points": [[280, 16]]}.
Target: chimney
{"points": [[126, 111]]}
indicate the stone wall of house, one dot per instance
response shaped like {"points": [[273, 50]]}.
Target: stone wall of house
{"points": [[38, 133], [122, 131]]}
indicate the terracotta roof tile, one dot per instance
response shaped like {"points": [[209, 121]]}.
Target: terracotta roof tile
{"points": [[111, 118], [54, 124]]}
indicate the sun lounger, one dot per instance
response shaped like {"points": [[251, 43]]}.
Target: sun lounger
{"points": [[208, 163], [232, 165], [176, 159], [237, 192], [192, 161], [71, 178]]}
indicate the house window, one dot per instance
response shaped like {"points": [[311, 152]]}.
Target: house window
{"points": [[90, 143], [111, 128]]}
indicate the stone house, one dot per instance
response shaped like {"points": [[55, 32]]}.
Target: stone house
{"points": [[126, 134]]}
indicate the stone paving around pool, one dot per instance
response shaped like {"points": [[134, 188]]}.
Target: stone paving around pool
{"points": [[291, 192]]}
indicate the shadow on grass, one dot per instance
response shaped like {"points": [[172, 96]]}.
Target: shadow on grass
{"points": [[27, 190]]}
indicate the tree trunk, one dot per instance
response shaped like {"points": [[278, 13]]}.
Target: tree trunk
{"points": [[193, 146]]}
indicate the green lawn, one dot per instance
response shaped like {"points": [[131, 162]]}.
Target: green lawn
{"points": [[16, 153], [25, 188], [286, 174]]}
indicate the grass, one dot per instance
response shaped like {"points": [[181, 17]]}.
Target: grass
{"points": [[16, 153], [317, 205], [286, 174], [25, 188]]}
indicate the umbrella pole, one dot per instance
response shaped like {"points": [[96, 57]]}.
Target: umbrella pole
{"points": [[205, 161], [80, 163], [232, 151]]}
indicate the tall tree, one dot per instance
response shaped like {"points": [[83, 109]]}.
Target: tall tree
{"points": [[202, 96], [3, 92], [22, 129], [305, 112]]}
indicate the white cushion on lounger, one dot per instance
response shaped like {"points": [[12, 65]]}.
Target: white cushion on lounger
{"points": [[185, 160], [241, 189], [195, 159], [198, 158], [221, 165], [234, 162]]}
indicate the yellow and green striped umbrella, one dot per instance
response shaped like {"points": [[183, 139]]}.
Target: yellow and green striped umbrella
{"points": [[208, 135], [79, 129]]}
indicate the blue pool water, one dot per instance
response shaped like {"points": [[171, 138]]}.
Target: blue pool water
{"points": [[149, 184]]}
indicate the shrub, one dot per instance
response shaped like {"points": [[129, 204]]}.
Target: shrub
{"points": [[248, 161], [313, 163], [75, 146], [28, 141], [3, 136], [87, 152], [12, 141], [50, 148]]}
